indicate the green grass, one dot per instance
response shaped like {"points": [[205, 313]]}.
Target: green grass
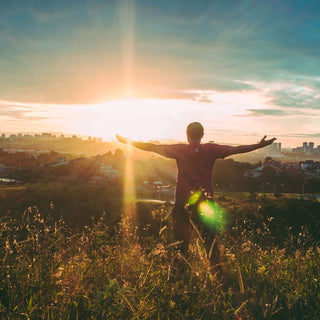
{"points": [[270, 262]]}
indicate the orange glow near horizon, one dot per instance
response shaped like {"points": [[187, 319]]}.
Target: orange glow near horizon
{"points": [[225, 119], [152, 119]]}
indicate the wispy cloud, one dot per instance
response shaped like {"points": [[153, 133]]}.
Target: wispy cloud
{"points": [[296, 97], [23, 112], [277, 113], [300, 135], [264, 112]]}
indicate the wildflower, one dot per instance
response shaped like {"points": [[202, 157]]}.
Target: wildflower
{"points": [[246, 246], [261, 270], [162, 229], [159, 250]]}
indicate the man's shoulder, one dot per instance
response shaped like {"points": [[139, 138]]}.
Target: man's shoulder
{"points": [[214, 145], [219, 150], [210, 145], [177, 145], [173, 150]]}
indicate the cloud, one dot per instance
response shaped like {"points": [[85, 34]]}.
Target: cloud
{"points": [[300, 135], [202, 99], [208, 45], [213, 82], [296, 97], [17, 111], [276, 113], [314, 135], [264, 112]]}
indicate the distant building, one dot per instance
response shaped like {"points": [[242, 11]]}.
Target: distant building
{"points": [[13, 137], [61, 161], [253, 173], [292, 167], [307, 148], [269, 162], [46, 136], [98, 180], [107, 171], [310, 165], [272, 150], [304, 147], [3, 167]]}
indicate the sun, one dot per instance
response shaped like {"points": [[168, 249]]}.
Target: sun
{"points": [[143, 119]]}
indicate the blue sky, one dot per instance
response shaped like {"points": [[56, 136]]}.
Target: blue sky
{"points": [[55, 54]]}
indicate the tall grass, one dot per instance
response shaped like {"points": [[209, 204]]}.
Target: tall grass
{"points": [[48, 271]]}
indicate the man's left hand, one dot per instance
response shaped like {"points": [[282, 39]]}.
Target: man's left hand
{"points": [[265, 142]]}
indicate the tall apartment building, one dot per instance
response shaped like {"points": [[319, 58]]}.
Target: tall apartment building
{"points": [[272, 149], [307, 148]]}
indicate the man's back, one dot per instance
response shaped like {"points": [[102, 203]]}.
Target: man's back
{"points": [[195, 163]]}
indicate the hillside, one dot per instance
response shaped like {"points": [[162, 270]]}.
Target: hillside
{"points": [[270, 262]]}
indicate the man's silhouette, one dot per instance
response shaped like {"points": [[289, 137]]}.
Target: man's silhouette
{"points": [[195, 162]]}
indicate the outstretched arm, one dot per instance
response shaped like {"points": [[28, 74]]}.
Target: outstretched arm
{"points": [[142, 145], [247, 148]]}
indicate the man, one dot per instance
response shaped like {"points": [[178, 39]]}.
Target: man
{"points": [[195, 162]]}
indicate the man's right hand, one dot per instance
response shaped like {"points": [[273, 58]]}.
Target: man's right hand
{"points": [[122, 139]]}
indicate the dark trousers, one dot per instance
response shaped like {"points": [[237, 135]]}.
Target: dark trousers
{"points": [[181, 215]]}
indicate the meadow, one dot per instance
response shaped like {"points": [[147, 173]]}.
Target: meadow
{"points": [[269, 267]]}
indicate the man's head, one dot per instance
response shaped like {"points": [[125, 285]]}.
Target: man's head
{"points": [[195, 132]]}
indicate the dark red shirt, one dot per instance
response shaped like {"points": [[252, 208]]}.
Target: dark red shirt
{"points": [[195, 163]]}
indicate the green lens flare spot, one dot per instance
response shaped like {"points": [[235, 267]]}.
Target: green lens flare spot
{"points": [[194, 198], [212, 215]]}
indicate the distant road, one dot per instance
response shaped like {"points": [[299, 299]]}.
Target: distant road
{"points": [[154, 201]]}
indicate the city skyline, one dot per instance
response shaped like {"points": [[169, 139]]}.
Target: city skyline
{"points": [[145, 69], [275, 148]]}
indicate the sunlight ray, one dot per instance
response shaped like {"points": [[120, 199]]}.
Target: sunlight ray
{"points": [[129, 196], [126, 11]]}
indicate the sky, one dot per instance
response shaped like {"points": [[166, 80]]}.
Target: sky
{"points": [[145, 69]]}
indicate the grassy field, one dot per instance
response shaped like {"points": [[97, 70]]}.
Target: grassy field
{"points": [[270, 262]]}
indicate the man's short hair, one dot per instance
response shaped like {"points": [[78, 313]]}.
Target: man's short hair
{"points": [[195, 131]]}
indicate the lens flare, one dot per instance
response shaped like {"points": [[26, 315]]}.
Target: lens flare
{"points": [[212, 215], [194, 198]]}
